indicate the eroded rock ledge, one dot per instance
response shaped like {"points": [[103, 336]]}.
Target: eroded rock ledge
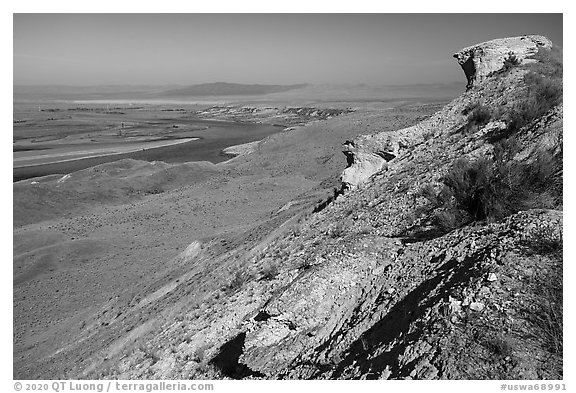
{"points": [[480, 60], [370, 154]]}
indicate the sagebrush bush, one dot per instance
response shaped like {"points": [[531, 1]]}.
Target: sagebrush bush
{"points": [[542, 95], [338, 230], [239, 279], [549, 63], [490, 189], [478, 116], [511, 61], [544, 90], [270, 271], [472, 184], [481, 115]]}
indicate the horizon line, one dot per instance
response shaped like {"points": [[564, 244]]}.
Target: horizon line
{"points": [[363, 84]]}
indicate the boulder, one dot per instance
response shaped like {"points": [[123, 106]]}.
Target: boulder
{"points": [[366, 156]]}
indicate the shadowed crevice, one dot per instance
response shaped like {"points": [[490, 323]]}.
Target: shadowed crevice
{"points": [[227, 359]]}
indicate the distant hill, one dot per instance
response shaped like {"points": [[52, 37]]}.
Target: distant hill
{"points": [[228, 89], [22, 92]]}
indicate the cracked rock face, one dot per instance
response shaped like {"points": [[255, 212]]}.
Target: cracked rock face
{"points": [[344, 322], [480, 60], [366, 156]]}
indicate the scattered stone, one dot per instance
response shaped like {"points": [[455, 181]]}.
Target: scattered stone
{"points": [[454, 305], [484, 291]]}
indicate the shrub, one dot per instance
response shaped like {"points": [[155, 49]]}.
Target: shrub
{"points": [[549, 313], [549, 63], [365, 230], [511, 61], [337, 231], [492, 189], [447, 219], [471, 183], [240, 278], [543, 90], [199, 353], [544, 241], [505, 149], [499, 346], [478, 116], [542, 95], [544, 307], [269, 271], [427, 191], [304, 264]]}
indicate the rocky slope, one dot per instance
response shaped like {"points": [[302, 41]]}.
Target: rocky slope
{"points": [[405, 277], [441, 257]]}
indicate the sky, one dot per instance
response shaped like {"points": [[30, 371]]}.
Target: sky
{"points": [[185, 49]]}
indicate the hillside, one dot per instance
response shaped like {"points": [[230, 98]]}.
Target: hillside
{"points": [[444, 258], [437, 255]]}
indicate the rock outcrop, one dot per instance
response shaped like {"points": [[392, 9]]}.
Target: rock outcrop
{"points": [[368, 154], [385, 309], [365, 156], [481, 60]]}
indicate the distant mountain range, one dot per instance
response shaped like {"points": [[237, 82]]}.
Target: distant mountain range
{"points": [[23, 93], [228, 89], [148, 92]]}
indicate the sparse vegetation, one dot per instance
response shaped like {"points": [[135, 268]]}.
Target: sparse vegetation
{"points": [[544, 308], [270, 271], [240, 278], [548, 315], [472, 185], [543, 90], [498, 346], [511, 61], [478, 116], [337, 231], [549, 63], [200, 352], [365, 230], [542, 94], [149, 353], [543, 241], [492, 189]]}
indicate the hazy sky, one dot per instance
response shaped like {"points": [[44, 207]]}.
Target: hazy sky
{"points": [[92, 49]]}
